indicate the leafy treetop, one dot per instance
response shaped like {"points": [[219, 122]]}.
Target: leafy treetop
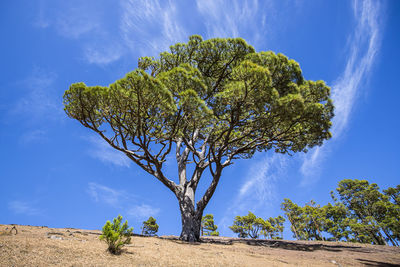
{"points": [[218, 98]]}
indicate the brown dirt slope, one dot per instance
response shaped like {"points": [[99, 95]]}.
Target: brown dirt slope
{"points": [[42, 246]]}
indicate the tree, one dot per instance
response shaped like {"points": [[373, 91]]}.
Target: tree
{"points": [[392, 207], [275, 231], [249, 226], [150, 227], [313, 220], [363, 200], [337, 221], [208, 227], [212, 101], [294, 214], [116, 235]]}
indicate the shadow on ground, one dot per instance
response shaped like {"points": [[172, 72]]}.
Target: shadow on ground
{"points": [[283, 244], [377, 263]]}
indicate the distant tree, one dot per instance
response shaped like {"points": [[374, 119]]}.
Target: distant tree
{"points": [[208, 227], [363, 214], [306, 222], [294, 214], [278, 225], [313, 221], [362, 198], [212, 101], [275, 230], [150, 227], [249, 225], [337, 221], [116, 235], [391, 221]]}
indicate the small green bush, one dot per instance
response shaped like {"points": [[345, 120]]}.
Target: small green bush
{"points": [[150, 227], [116, 235]]}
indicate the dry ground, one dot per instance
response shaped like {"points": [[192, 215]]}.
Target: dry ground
{"points": [[42, 246]]}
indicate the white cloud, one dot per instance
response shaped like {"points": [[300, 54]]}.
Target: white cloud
{"points": [[258, 188], [102, 193], [150, 26], [101, 150], [87, 22], [103, 55], [363, 46], [37, 135], [77, 19], [121, 200], [247, 19], [39, 101], [41, 21], [261, 176], [363, 50], [143, 211], [21, 207]]}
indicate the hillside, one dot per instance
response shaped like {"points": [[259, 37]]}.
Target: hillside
{"points": [[42, 246]]}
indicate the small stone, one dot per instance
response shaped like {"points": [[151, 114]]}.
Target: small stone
{"points": [[55, 237]]}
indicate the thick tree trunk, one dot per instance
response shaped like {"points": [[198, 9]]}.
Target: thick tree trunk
{"points": [[191, 218]]}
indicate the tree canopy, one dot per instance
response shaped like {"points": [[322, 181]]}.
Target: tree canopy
{"points": [[212, 101]]}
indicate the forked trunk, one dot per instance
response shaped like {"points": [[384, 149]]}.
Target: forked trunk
{"points": [[191, 218]]}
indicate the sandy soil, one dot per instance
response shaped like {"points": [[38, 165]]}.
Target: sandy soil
{"points": [[42, 246]]}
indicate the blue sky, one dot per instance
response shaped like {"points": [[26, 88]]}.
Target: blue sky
{"points": [[57, 173]]}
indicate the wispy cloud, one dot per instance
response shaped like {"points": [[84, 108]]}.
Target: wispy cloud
{"points": [[89, 23], [143, 211], [22, 207], [364, 45], [130, 204], [247, 19], [39, 101], [103, 54], [77, 19], [104, 194], [257, 189], [40, 20], [37, 135], [151, 26], [104, 152]]}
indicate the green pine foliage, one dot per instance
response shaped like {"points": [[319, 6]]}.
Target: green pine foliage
{"points": [[208, 227], [294, 214], [360, 213], [116, 235], [275, 231], [150, 227], [250, 226]]}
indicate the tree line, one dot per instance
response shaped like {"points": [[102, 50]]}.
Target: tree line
{"points": [[359, 213]]}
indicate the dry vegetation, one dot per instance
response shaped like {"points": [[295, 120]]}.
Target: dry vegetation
{"points": [[42, 246]]}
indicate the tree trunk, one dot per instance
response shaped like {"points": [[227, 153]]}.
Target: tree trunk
{"points": [[293, 227], [191, 218]]}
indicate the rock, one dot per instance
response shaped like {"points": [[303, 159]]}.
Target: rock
{"points": [[56, 237]]}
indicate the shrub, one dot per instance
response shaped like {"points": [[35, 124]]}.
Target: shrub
{"points": [[208, 227], [150, 227], [116, 235]]}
